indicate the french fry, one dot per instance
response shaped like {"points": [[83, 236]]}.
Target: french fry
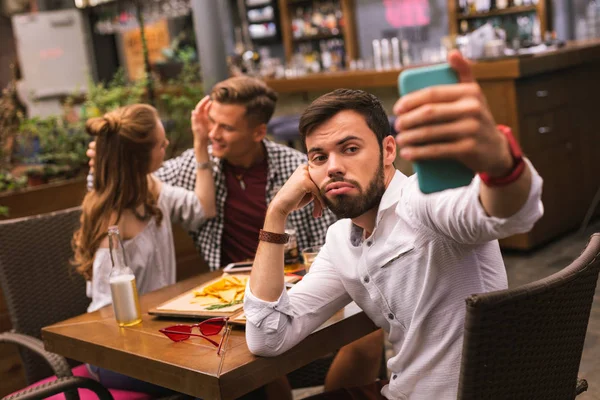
{"points": [[228, 289]]}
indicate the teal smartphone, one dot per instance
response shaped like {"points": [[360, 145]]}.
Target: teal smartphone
{"points": [[434, 175]]}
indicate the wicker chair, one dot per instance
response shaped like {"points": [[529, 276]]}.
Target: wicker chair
{"points": [[40, 289], [526, 342]]}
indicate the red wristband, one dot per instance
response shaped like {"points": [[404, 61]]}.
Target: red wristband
{"points": [[272, 237], [518, 162]]}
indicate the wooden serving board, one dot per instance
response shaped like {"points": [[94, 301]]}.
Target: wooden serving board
{"points": [[182, 306]]}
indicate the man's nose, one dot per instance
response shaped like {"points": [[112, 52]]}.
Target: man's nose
{"points": [[214, 132], [335, 166]]}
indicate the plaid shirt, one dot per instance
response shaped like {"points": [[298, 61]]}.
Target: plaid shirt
{"points": [[282, 162]]}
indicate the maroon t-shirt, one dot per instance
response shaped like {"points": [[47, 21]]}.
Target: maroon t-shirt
{"points": [[245, 210]]}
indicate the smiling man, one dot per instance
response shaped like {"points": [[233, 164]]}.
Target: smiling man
{"points": [[407, 259]]}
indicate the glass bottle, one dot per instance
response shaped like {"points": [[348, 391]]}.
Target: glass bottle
{"points": [[591, 14], [472, 7], [502, 4], [122, 283]]}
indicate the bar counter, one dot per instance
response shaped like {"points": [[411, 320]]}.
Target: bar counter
{"points": [[572, 54], [549, 99]]}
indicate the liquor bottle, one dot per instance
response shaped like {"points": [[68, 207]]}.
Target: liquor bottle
{"points": [[298, 23], [122, 283], [326, 59], [472, 5], [386, 54], [501, 4], [484, 6]]}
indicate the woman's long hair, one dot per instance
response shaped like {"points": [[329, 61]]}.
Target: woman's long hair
{"points": [[124, 142]]}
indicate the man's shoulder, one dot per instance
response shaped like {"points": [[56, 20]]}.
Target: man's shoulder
{"points": [[188, 154]]}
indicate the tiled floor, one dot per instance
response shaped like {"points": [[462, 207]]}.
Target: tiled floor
{"points": [[524, 268]]}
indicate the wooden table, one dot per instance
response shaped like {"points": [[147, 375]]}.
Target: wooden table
{"points": [[191, 366]]}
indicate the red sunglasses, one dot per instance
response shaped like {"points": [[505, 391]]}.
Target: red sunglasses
{"points": [[209, 327]]}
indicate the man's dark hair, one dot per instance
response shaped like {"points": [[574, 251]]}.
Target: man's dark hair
{"points": [[325, 107]]}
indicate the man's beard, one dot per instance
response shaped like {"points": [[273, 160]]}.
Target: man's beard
{"points": [[345, 206]]}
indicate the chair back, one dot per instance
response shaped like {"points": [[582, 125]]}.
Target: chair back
{"points": [[39, 285], [526, 342]]}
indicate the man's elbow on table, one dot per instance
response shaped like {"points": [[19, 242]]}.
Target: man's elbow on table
{"points": [[257, 344]]}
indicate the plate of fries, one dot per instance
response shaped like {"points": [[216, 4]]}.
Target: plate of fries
{"points": [[220, 297], [225, 292]]}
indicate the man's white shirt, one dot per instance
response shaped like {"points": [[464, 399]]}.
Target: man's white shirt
{"points": [[426, 254]]}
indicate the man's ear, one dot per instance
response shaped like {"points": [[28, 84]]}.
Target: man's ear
{"points": [[259, 133], [389, 150]]}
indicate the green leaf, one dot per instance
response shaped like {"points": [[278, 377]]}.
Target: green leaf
{"points": [[219, 306]]}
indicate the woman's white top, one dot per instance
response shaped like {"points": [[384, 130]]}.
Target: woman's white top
{"points": [[151, 253]]}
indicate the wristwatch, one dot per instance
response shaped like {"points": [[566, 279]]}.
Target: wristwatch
{"points": [[518, 162]]}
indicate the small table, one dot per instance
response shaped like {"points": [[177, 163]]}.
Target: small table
{"points": [[191, 366]]}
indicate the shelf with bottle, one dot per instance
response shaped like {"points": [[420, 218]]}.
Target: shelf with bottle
{"points": [[259, 15], [467, 15], [263, 31], [324, 56], [260, 20], [524, 22], [317, 19], [499, 12], [475, 7], [319, 36], [251, 5], [310, 21], [266, 40]]}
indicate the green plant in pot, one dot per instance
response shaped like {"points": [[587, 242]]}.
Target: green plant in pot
{"points": [[8, 181], [102, 98], [35, 176], [62, 145], [42, 174], [181, 51]]}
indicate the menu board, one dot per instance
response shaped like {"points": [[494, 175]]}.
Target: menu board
{"points": [[157, 38]]}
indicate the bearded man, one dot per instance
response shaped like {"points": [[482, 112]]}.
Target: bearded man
{"points": [[406, 258]]}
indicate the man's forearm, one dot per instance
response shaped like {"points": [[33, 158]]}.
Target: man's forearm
{"points": [[506, 201], [266, 279]]}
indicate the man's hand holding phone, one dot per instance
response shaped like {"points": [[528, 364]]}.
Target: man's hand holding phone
{"points": [[452, 122]]}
